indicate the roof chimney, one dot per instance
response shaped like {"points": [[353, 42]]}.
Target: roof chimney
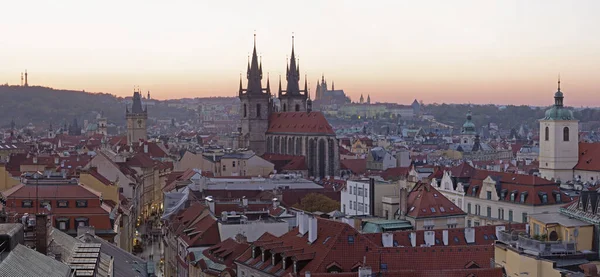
{"points": [[312, 228], [41, 233], [210, 203], [445, 237], [499, 229], [307, 274], [145, 148], [387, 239], [470, 235], [430, 238], [35, 160], [365, 271], [275, 203], [413, 239], [244, 201], [303, 225]]}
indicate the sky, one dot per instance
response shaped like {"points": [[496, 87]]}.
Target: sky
{"points": [[479, 51]]}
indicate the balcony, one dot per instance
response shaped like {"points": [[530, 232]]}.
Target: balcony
{"points": [[531, 246]]}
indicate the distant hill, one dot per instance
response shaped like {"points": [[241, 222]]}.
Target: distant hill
{"points": [[44, 106]]}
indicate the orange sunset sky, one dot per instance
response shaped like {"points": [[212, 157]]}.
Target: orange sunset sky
{"points": [[480, 51]]}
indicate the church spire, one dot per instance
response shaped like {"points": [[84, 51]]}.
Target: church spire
{"points": [[558, 82], [332, 85], [305, 85], [268, 85], [279, 93], [241, 88], [254, 73], [293, 74]]}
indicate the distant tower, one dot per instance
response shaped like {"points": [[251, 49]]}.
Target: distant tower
{"points": [[136, 120], [369, 99], [468, 131], [362, 99], [26, 83], [559, 141], [51, 133], [256, 106], [21, 78], [148, 95], [102, 125], [294, 99], [308, 103]]}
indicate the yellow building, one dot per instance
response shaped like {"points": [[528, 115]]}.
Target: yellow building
{"points": [[7, 181], [558, 227], [517, 263]]}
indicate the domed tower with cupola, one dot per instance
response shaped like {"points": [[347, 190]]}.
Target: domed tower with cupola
{"points": [[468, 131], [559, 141]]}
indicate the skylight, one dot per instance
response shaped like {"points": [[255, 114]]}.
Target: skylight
{"points": [[442, 209], [432, 209]]}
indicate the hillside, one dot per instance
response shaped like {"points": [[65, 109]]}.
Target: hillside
{"points": [[44, 106]]}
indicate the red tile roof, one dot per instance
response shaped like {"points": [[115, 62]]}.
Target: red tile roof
{"points": [[357, 166], [532, 186], [202, 233], [464, 170], [286, 162], [140, 160], [226, 251], [299, 123], [395, 173], [589, 157], [425, 201]]}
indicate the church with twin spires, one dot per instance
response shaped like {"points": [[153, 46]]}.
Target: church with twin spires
{"points": [[291, 129]]}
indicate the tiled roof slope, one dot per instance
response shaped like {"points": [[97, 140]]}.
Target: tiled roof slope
{"points": [[299, 123], [425, 201], [339, 247], [589, 157]]}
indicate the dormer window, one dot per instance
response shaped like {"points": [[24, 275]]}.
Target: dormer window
{"points": [[513, 196], [523, 196]]}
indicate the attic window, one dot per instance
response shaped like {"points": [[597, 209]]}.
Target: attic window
{"points": [[384, 267], [350, 239], [485, 237], [435, 195], [456, 239], [412, 209], [442, 210], [326, 239], [523, 196], [432, 209]]}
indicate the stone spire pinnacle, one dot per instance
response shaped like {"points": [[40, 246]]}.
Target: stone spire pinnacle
{"points": [[305, 85], [268, 85], [254, 73], [241, 88], [293, 74], [279, 93], [558, 82]]}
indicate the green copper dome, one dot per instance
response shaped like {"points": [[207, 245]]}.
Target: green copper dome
{"points": [[558, 111], [468, 127]]}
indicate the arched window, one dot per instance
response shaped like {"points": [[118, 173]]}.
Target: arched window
{"points": [[566, 134], [245, 110], [258, 110], [547, 134], [297, 107]]}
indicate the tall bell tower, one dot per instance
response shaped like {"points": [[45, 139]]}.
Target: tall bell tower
{"points": [[559, 141], [136, 120]]}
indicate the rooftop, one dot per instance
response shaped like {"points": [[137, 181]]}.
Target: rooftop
{"points": [[558, 218]]}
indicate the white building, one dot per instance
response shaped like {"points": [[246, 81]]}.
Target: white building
{"points": [[365, 197], [454, 192]]}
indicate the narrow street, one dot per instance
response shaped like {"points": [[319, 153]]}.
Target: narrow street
{"points": [[153, 249]]}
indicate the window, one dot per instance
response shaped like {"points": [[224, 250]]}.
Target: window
{"points": [[350, 205], [81, 221], [558, 197], [524, 219], [489, 211], [432, 209], [476, 223], [45, 203], [285, 107], [355, 191], [120, 190], [366, 208], [523, 197], [224, 168], [258, 110], [384, 267], [62, 223], [233, 164], [510, 215], [350, 239], [501, 213], [474, 191], [536, 229], [489, 195], [27, 204], [544, 198], [350, 189], [366, 192], [245, 110], [566, 134], [513, 195], [62, 203], [547, 134], [469, 208], [360, 192], [297, 107], [81, 203], [469, 223]]}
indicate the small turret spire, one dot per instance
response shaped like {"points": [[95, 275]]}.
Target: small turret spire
{"points": [[305, 85], [241, 88], [279, 93], [268, 85], [558, 82]]}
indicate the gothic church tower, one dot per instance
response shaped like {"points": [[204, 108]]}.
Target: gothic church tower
{"points": [[256, 106], [559, 141], [293, 99], [136, 120]]}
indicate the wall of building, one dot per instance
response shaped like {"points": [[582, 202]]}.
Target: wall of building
{"points": [[437, 223], [517, 264], [584, 238], [110, 192], [558, 157], [6, 180], [191, 160]]}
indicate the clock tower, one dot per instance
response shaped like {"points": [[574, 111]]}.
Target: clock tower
{"points": [[136, 120]]}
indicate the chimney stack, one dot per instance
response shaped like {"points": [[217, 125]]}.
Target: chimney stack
{"points": [[35, 160], [413, 239], [387, 239], [41, 233], [244, 201], [312, 228], [470, 235], [146, 148], [445, 237], [430, 238], [303, 223], [499, 229], [275, 203], [403, 203]]}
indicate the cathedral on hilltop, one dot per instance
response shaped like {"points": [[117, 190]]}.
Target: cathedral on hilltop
{"points": [[136, 120], [330, 96], [293, 129]]}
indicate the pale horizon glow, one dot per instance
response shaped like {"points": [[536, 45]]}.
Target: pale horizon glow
{"points": [[500, 52]]}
